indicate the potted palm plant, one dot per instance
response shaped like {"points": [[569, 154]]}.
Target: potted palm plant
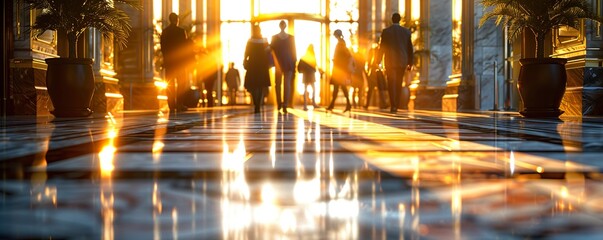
{"points": [[70, 81], [542, 79]]}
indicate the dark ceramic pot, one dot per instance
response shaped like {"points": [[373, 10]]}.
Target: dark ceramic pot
{"points": [[541, 86], [70, 83]]}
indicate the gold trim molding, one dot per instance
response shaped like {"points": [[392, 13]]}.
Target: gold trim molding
{"points": [[28, 63]]}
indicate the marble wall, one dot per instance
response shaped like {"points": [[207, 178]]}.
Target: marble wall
{"points": [[440, 42], [489, 44]]}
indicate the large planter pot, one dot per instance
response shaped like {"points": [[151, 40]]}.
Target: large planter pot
{"points": [[70, 83], [541, 86]]}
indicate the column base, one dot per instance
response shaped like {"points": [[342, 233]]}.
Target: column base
{"points": [[107, 97], [429, 97], [27, 88], [143, 96], [584, 94], [451, 94]]}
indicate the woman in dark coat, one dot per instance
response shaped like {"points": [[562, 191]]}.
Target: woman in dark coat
{"points": [[341, 76], [257, 65]]}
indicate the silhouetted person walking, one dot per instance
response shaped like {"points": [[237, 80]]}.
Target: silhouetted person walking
{"points": [[209, 72], [376, 80], [359, 76], [342, 67], [396, 47], [175, 58], [283, 45], [233, 81], [307, 67], [257, 65]]}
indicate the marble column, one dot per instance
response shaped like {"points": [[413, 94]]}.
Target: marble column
{"points": [[213, 32], [437, 24], [467, 89], [418, 21], [7, 51], [364, 25], [450, 98], [136, 63], [440, 43]]}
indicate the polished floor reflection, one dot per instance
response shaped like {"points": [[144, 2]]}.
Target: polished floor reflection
{"points": [[226, 173]]}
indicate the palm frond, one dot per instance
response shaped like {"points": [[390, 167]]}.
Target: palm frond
{"points": [[75, 16], [540, 16]]}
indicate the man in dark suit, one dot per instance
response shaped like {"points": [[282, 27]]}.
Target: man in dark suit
{"points": [[175, 57], [283, 45], [396, 47]]}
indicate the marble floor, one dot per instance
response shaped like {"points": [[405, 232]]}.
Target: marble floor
{"points": [[226, 173]]}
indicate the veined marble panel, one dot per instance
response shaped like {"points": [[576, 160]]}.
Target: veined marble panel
{"points": [[572, 102], [584, 95], [23, 91], [440, 64], [592, 101], [98, 104], [440, 24], [489, 34], [486, 90], [44, 104], [575, 77], [593, 77], [440, 40]]}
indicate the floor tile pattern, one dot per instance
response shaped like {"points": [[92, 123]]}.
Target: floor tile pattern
{"points": [[226, 173]]}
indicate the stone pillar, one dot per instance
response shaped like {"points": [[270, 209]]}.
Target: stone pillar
{"points": [[439, 52], [450, 99], [419, 25], [467, 92], [582, 48], [7, 54], [214, 45], [473, 50], [364, 25], [26, 87], [166, 10], [107, 96], [135, 64], [425, 39]]}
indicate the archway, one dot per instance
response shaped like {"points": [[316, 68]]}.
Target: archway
{"points": [[312, 26], [307, 29]]}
